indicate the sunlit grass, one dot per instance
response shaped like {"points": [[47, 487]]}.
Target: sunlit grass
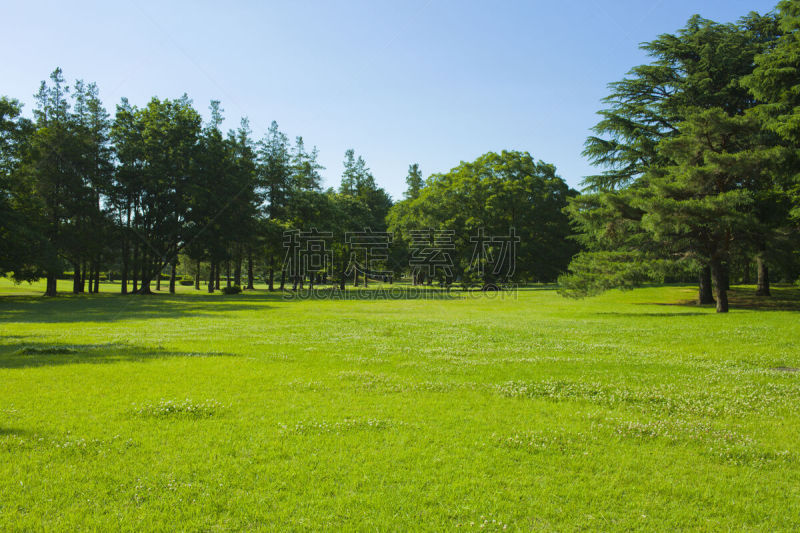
{"points": [[479, 411]]}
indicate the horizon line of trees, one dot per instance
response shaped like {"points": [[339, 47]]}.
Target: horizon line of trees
{"points": [[155, 186]]}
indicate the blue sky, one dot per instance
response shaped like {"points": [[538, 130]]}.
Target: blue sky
{"points": [[428, 81]]}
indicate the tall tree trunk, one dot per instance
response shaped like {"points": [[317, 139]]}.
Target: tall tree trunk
{"points": [[705, 295], [355, 276], [271, 286], [197, 276], [211, 277], [283, 279], [147, 274], [311, 280], [124, 273], [172, 278], [52, 284], [250, 285], [216, 275], [158, 280], [84, 270], [76, 277], [135, 268], [763, 277], [97, 276], [88, 276], [720, 291], [228, 273], [237, 267]]}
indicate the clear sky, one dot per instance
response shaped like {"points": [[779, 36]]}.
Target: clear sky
{"points": [[427, 81]]}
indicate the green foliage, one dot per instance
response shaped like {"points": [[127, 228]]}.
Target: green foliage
{"points": [[233, 289], [691, 173], [495, 193], [597, 272]]}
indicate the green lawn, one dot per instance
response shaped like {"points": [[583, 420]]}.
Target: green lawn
{"points": [[631, 411]]}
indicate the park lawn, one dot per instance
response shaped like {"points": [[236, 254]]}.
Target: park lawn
{"points": [[631, 411]]}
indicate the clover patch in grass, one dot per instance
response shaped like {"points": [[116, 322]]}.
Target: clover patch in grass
{"points": [[318, 427], [179, 409]]}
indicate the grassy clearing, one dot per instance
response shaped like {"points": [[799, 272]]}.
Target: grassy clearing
{"points": [[196, 411]]}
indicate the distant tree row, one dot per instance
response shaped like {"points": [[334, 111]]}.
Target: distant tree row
{"points": [[154, 188], [700, 155]]}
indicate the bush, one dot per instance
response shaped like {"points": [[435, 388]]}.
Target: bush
{"points": [[233, 289], [187, 282]]}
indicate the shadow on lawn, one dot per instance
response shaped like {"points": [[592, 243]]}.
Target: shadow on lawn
{"points": [[784, 298], [111, 307], [659, 315], [31, 355], [107, 307]]}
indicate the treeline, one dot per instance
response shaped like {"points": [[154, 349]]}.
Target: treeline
{"points": [[699, 149], [153, 188]]}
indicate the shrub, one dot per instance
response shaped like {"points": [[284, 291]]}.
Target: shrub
{"points": [[233, 289], [187, 282]]}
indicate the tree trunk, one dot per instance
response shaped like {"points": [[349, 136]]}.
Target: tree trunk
{"points": [[172, 278], [88, 276], [52, 284], [720, 291], [228, 273], [82, 279], [311, 280], [124, 273], [211, 277], [763, 277], [97, 277], [144, 288], [237, 270], [197, 276], [216, 275], [271, 286], [135, 269], [705, 295], [158, 280], [250, 285], [76, 278], [283, 279]]}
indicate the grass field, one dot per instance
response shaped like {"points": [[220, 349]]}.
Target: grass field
{"points": [[631, 411]]}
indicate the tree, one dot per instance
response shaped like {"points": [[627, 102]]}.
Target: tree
{"points": [[156, 145], [414, 182], [493, 194], [698, 69], [274, 181], [775, 84], [26, 252], [703, 204]]}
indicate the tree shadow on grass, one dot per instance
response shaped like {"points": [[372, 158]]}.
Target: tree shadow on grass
{"points": [[31, 355], [784, 298], [660, 315], [111, 308]]}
